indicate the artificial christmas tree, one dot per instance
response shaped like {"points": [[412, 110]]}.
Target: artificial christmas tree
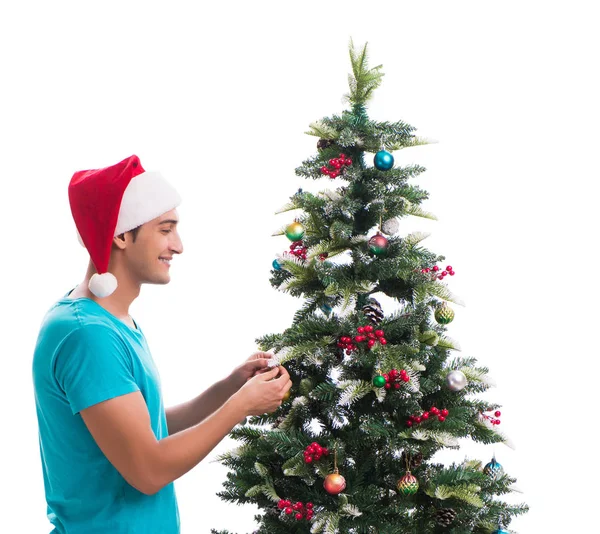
{"points": [[375, 395]]}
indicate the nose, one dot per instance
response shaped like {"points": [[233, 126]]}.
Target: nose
{"points": [[177, 245]]}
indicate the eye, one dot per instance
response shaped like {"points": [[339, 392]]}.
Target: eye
{"points": [[166, 231]]}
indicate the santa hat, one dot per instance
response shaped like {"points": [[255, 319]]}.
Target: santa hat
{"points": [[109, 202]]}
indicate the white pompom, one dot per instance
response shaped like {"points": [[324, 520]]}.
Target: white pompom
{"points": [[103, 285]]}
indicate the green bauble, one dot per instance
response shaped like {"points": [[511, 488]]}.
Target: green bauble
{"points": [[429, 337], [294, 231], [444, 314], [408, 484], [379, 381]]}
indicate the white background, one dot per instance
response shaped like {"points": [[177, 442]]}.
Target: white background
{"points": [[217, 98]]}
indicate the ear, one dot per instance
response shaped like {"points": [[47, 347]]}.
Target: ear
{"points": [[120, 241]]}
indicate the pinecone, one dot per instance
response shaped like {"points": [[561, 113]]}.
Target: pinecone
{"points": [[445, 517], [324, 143], [416, 459], [373, 311]]}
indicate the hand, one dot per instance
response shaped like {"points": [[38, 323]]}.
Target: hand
{"points": [[263, 393], [255, 364]]}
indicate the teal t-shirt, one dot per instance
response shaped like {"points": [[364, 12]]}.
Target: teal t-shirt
{"points": [[85, 355]]}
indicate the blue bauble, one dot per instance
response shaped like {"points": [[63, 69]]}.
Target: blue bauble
{"points": [[501, 531], [276, 265], [383, 160], [326, 309], [494, 470]]}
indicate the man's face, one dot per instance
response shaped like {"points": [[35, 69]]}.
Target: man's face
{"points": [[156, 244]]}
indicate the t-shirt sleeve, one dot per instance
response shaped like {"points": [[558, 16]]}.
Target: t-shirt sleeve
{"points": [[93, 365]]}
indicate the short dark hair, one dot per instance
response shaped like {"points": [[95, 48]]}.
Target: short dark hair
{"points": [[134, 233]]}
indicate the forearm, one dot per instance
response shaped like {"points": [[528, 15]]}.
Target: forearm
{"points": [[194, 411], [177, 454]]}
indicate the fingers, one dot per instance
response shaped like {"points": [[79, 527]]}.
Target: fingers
{"points": [[260, 356], [255, 365], [268, 374]]}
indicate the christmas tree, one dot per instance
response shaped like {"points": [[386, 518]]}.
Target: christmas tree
{"points": [[376, 395]]}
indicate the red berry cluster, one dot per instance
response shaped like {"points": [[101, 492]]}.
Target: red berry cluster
{"points": [[298, 249], [303, 511], [417, 419], [314, 452], [366, 333], [323, 256], [491, 419], [435, 270], [345, 343], [337, 164], [393, 378]]}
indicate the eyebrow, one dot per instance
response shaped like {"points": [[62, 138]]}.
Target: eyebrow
{"points": [[168, 221]]}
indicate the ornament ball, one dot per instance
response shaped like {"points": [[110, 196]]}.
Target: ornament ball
{"points": [[379, 381], [334, 483], [390, 227], [456, 380], [276, 265], [378, 244], [383, 160], [294, 231], [408, 484], [494, 470]]}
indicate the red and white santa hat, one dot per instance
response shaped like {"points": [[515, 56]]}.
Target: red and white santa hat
{"points": [[109, 202]]}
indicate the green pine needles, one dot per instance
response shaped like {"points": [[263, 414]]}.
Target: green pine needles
{"points": [[341, 342]]}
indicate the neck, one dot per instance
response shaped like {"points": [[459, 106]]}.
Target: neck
{"points": [[119, 302]]}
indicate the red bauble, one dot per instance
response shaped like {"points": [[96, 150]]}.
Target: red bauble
{"points": [[449, 268], [379, 333], [387, 385], [299, 516], [334, 483], [368, 329], [436, 268], [289, 510], [445, 412], [281, 504], [371, 342], [361, 329], [396, 386], [498, 414], [441, 418], [309, 505], [383, 341]]}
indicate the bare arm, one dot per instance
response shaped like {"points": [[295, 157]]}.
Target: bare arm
{"points": [[194, 411], [121, 428]]}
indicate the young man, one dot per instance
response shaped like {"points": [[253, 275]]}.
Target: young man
{"points": [[110, 451]]}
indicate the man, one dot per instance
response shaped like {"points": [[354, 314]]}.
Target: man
{"points": [[110, 451]]}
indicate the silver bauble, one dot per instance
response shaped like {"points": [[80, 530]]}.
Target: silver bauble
{"points": [[456, 380], [390, 227]]}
